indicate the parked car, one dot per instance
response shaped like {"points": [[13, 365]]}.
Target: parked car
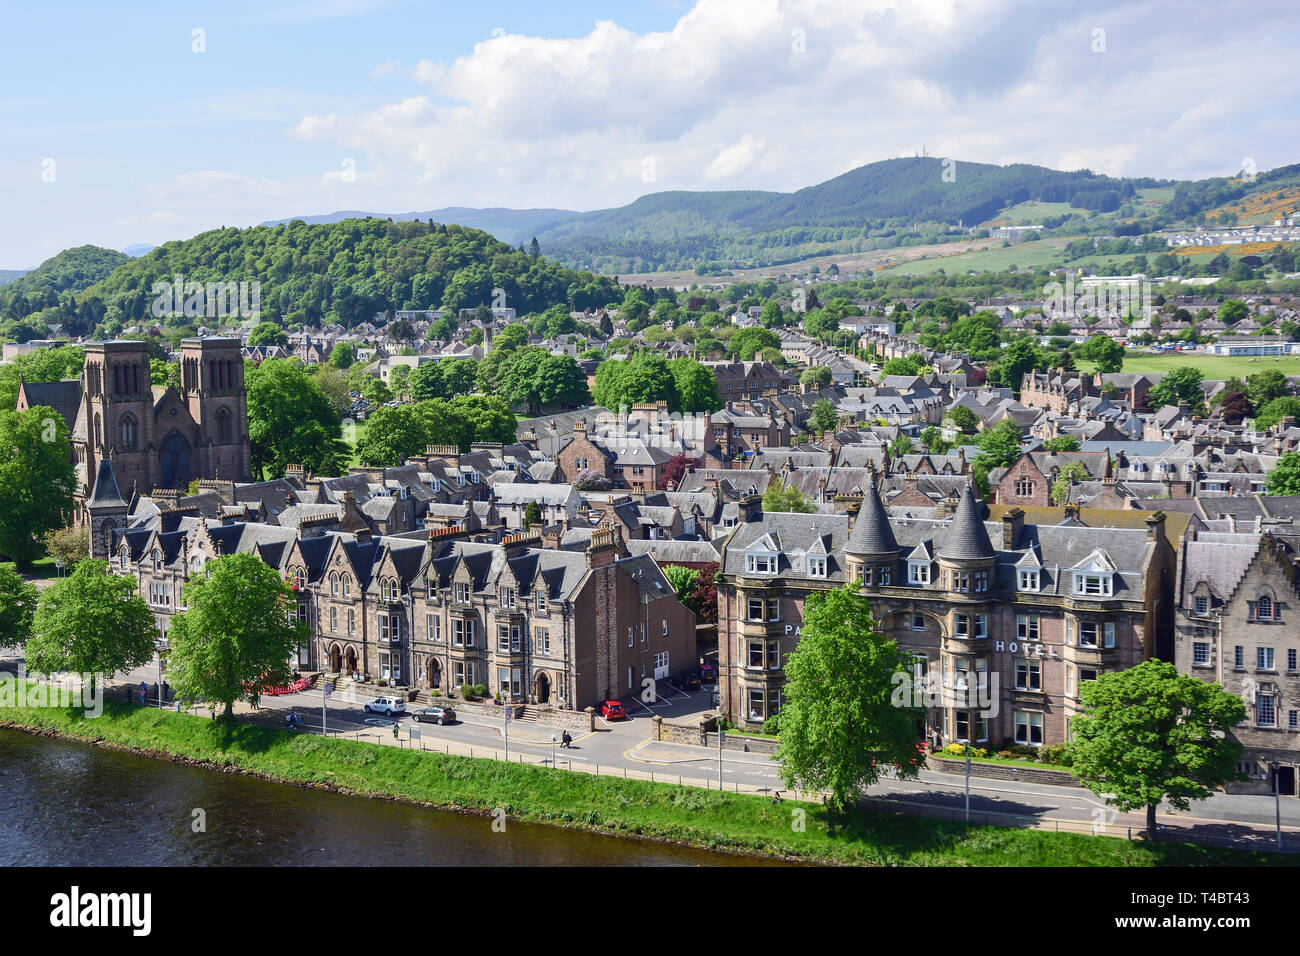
{"points": [[690, 680], [385, 705], [612, 710], [709, 673], [434, 715]]}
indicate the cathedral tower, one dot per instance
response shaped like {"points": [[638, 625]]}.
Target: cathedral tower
{"points": [[212, 386]]}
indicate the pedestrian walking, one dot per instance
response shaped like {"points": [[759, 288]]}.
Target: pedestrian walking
{"points": [[394, 730], [142, 696]]}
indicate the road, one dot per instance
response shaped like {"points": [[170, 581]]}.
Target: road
{"points": [[625, 745]]}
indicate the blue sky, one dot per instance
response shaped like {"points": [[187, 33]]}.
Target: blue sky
{"points": [[116, 131]]}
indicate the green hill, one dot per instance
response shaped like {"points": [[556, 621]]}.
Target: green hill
{"points": [[70, 271]]}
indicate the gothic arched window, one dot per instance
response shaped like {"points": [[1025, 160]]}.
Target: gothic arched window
{"points": [[130, 432], [223, 425]]}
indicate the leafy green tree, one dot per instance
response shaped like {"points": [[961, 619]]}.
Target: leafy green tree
{"points": [[400, 331], [1284, 479], [36, 480], [1272, 413], [747, 343], [1018, 358], [291, 421], [645, 377], [840, 728], [1104, 352], [534, 378], [697, 387], [532, 514], [91, 622], [17, 605], [71, 545], [1062, 443], [901, 445], [343, 355], [903, 365], [509, 338], [963, 419], [333, 383], [684, 581], [268, 333], [934, 443], [824, 417], [772, 317], [1263, 387], [1233, 311], [164, 374], [236, 635], [1149, 734], [999, 448], [392, 435], [399, 378], [1060, 490], [782, 497], [816, 377], [1181, 386], [39, 365]]}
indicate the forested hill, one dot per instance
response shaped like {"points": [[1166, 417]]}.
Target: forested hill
{"points": [[348, 272], [70, 271]]}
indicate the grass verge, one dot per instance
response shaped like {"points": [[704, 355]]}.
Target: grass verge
{"points": [[732, 822]]}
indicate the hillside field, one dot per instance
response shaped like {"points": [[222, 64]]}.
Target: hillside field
{"points": [[1213, 366]]}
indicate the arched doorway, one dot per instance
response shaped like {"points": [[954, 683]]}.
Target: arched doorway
{"points": [[352, 660], [543, 687], [433, 672], [336, 659]]}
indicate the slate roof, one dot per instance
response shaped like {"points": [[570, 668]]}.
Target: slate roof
{"points": [[872, 534]]}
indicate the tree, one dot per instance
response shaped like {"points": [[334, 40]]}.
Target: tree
{"points": [[643, 378], [268, 333], [684, 581], [903, 365], [71, 545], [36, 480], [747, 343], [510, 338], [1263, 387], [236, 635], [697, 388], [782, 497], [343, 355], [91, 622], [1062, 443], [164, 374], [933, 439], [1060, 491], [1104, 352], [17, 605], [999, 448], [1284, 479], [902, 445], [818, 376], [963, 419], [400, 331], [1234, 407], [392, 435], [824, 417], [290, 421], [532, 514], [333, 383], [1149, 734], [840, 728], [1181, 386], [674, 471], [1019, 357], [1233, 311], [1272, 413]]}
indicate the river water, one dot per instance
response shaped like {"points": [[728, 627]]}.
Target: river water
{"points": [[63, 802]]}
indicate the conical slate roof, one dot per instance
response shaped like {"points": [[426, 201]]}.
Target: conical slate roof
{"points": [[967, 537], [105, 492], [871, 531]]}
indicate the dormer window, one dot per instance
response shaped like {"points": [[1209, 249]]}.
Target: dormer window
{"points": [[462, 592], [1264, 609], [760, 563], [1202, 604], [1139, 467], [156, 558], [1028, 579], [816, 565], [389, 588], [1093, 585], [507, 597], [918, 572]]}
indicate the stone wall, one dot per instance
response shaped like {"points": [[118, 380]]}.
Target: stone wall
{"points": [[1059, 778]]}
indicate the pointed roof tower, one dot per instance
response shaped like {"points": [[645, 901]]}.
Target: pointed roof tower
{"points": [[967, 538], [105, 493], [872, 534]]}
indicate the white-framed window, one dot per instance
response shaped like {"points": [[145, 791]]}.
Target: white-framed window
{"points": [[918, 572], [507, 597], [334, 584], [1264, 658], [665, 628], [981, 580], [754, 609], [542, 640], [347, 585], [756, 654], [961, 625], [756, 703], [352, 621], [1200, 652], [1099, 585], [1238, 656], [1266, 710], [1028, 579], [918, 622], [1290, 658], [462, 592], [1293, 719], [1265, 609], [1202, 604], [541, 602], [1027, 627], [981, 625], [1029, 673], [1029, 728], [760, 563], [334, 620], [816, 566]]}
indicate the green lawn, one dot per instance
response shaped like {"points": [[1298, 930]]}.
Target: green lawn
{"points": [[1020, 254], [727, 821], [1213, 366], [352, 434], [1033, 211], [41, 567]]}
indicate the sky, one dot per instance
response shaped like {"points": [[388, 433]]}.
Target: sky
{"points": [[132, 123]]}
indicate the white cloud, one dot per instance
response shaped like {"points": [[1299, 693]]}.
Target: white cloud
{"points": [[735, 158]]}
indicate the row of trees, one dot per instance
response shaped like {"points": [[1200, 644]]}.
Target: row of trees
{"points": [[395, 434], [233, 640], [685, 384]]}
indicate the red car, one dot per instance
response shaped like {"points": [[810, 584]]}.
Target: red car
{"points": [[612, 710]]}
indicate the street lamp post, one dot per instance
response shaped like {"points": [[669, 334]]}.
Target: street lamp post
{"points": [[966, 744], [553, 738], [1274, 766]]}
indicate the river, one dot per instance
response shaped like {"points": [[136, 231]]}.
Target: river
{"points": [[63, 802]]}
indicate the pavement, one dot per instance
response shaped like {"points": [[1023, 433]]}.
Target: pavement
{"points": [[624, 748]]}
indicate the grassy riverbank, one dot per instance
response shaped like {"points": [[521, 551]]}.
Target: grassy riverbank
{"points": [[726, 821]]}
